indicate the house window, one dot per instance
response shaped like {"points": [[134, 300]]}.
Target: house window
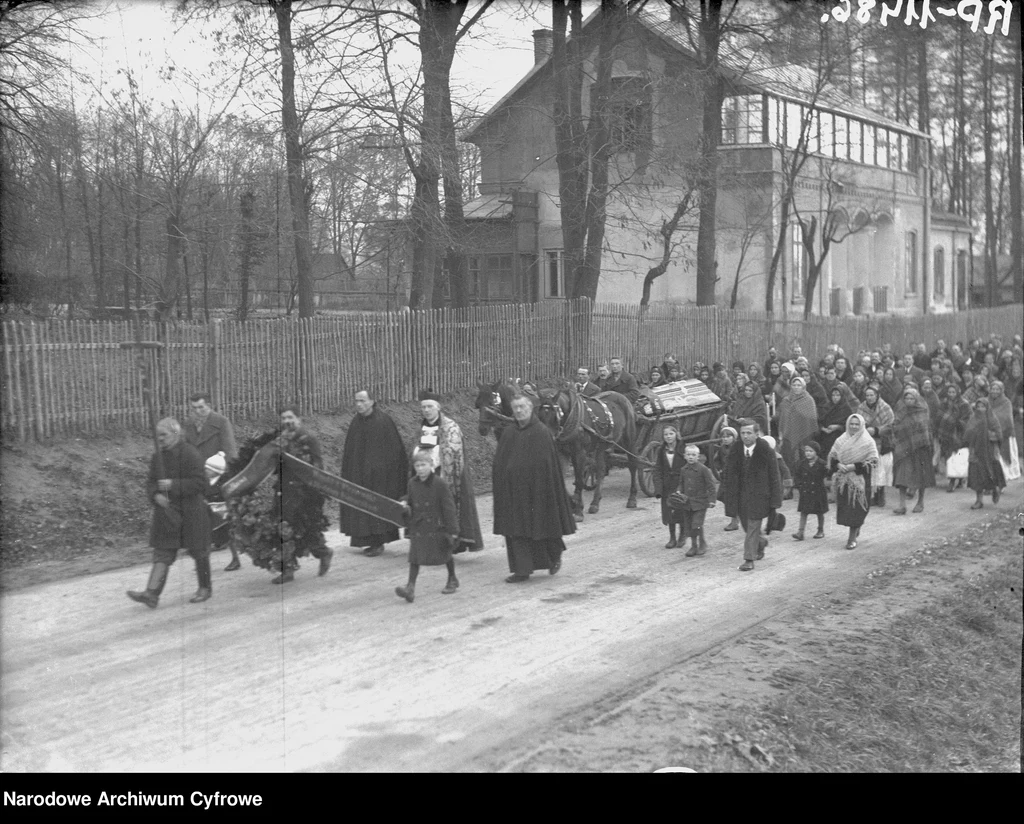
{"points": [[869, 144], [473, 267], [842, 138], [961, 279], [857, 141], [554, 274], [743, 119], [939, 271], [629, 114], [794, 124], [799, 260], [911, 263], [882, 148], [827, 132], [775, 118], [499, 277]]}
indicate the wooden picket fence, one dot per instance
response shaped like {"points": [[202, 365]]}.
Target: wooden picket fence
{"points": [[62, 378]]}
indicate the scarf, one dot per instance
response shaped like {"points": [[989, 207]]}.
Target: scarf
{"points": [[854, 449], [949, 429], [798, 419], [892, 391], [1002, 411], [880, 415], [982, 434], [753, 408]]}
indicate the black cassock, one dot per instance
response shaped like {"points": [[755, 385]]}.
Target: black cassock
{"points": [[374, 458], [531, 505]]}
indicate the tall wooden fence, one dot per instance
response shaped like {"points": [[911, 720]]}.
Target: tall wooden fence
{"points": [[69, 377]]}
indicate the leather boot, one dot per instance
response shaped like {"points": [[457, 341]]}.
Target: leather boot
{"points": [[204, 576], [155, 585]]}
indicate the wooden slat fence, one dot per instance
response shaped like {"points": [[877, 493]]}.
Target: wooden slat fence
{"points": [[68, 377]]}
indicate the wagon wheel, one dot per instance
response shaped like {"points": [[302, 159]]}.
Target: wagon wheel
{"points": [[645, 474]]}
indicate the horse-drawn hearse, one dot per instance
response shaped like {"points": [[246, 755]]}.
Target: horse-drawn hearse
{"points": [[596, 433]]}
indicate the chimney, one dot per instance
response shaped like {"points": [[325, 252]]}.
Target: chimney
{"points": [[541, 45]]}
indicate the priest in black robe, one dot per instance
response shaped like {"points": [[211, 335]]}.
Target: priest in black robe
{"points": [[531, 505], [374, 458]]}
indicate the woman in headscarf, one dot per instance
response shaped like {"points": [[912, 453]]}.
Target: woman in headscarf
{"points": [[978, 388], [912, 449], [771, 395], [750, 404], [841, 405], [729, 438], [755, 374], [892, 387], [878, 417], [442, 438], [984, 439], [798, 420], [859, 383], [1002, 411], [721, 383], [851, 461], [954, 412], [929, 396]]}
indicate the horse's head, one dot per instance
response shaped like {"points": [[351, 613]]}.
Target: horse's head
{"points": [[552, 406], [492, 401]]}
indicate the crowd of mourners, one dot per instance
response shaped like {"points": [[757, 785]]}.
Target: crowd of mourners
{"points": [[845, 427]]}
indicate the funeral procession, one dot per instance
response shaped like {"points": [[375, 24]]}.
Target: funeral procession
{"points": [[491, 386]]}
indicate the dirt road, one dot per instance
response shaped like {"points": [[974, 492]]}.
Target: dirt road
{"points": [[337, 673]]}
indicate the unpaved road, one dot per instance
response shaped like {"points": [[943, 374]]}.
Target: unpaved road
{"points": [[337, 673]]}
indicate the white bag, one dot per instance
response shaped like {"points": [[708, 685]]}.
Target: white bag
{"points": [[1012, 469], [883, 477], [956, 466]]}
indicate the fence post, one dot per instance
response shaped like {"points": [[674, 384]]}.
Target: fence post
{"points": [[213, 362]]}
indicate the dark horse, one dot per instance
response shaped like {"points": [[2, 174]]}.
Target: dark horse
{"points": [[494, 402], [586, 429]]}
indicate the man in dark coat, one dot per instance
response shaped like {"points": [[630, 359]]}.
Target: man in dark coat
{"points": [[620, 381], [753, 486], [175, 487], [374, 458], [211, 433], [584, 385], [531, 506]]}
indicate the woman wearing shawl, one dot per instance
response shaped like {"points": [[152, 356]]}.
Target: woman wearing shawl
{"points": [[851, 461], [984, 439], [843, 370], [815, 390], [1002, 411], [932, 401], [892, 387], [798, 421], [833, 423], [859, 383], [729, 438], [912, 449], [774, 388], [750, 404], [977, 388], [755, 374], [878, 417], [954, 412]]}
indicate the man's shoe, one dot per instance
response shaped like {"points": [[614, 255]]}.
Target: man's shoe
{"points": [[798, 536], [746, 566], [406, 592], [557, 565], [761, 547], [202, 594], [285, 577], [901, 511], [851, 545], [977, 505], [819, 534], [147, 598], [235, 564], [325, 562], [918, 508], [374, 551], [691, 552], [731, 528], [516, 579], [671, 544], [451, 586]]}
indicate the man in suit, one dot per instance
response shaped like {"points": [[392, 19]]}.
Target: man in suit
{"points": [[584, 385], [753, 488], [211, 433]]}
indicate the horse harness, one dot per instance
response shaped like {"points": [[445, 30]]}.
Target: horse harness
{"points": [[590, 414]]}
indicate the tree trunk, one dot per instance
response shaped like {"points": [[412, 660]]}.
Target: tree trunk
{"points": [[293, 158], [990, 229], [711, 133], [1016, 170]]}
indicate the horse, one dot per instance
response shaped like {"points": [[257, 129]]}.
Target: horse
{"points": [[494, 402], [585, 430]]}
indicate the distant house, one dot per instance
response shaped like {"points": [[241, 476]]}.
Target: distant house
{"points": [[862, 168]]}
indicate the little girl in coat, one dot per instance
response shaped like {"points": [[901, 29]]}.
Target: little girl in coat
{"points": [[433, 525], [668, 466], [809, 479]]}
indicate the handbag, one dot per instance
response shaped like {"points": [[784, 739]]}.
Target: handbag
{"points": [[776, 521], [677, 501]]}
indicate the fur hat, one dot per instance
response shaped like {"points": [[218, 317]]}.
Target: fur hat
{"points": [[429, 394]]}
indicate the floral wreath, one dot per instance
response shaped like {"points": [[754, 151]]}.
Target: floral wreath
{"points": [[256, 521]]}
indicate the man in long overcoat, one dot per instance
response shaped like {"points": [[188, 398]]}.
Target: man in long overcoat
{"points": [[753, 487], [210, 434], [175, 487], [531, 505], [374, 457]]}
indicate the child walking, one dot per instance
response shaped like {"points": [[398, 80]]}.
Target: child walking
{"points": [[666, 480], [728, 436], [809, 479], [697, 485], [433, 525]]}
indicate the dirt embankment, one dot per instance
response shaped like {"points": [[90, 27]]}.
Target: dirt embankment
{"points": [[77, 506]]}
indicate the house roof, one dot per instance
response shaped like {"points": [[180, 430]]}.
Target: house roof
{"points": [[744, 68], [942, 216]]}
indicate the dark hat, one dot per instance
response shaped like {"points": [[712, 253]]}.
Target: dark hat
{"points": [[738, 364], [776, 522], [429, 394], [813, 445]]}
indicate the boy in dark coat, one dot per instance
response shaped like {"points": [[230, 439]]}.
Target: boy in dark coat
{"points": [[809, 479], [433, 525], [752, 485], [697, 485]]}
